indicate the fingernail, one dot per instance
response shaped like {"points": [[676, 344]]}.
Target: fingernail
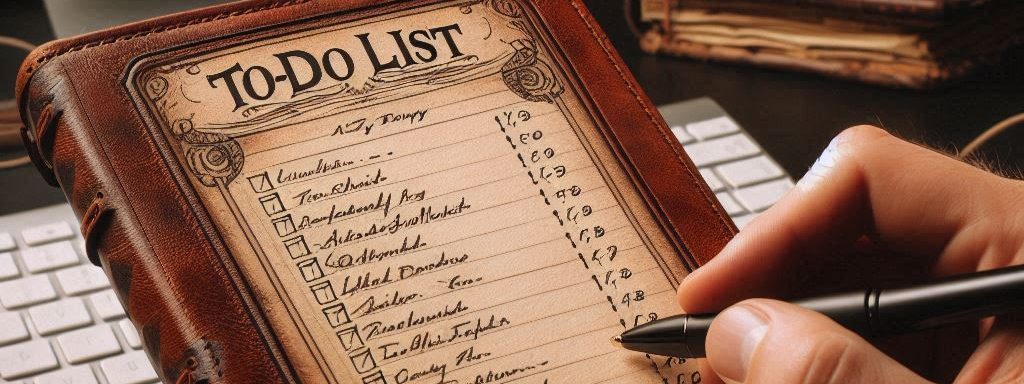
{"points": [[823, 166], [740, 331]]}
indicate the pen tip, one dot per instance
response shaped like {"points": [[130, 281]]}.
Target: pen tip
{"points": [[617, 341]]}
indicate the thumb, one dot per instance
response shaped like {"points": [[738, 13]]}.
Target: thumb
{"points": [[768, 341]]}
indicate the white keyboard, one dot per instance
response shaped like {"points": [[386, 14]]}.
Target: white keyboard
{"points": [[746, 179], [60, 321]]}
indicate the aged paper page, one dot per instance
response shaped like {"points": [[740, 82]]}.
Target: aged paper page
{"points": [[422, 197]]}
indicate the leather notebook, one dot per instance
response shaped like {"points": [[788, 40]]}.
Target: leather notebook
{"points": [[374, 192]]}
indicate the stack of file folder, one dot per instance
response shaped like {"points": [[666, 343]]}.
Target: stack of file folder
{"points": [[901, 43]]}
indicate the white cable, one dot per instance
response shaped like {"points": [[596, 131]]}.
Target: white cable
{"points": [[21, 160], [990, 133]]}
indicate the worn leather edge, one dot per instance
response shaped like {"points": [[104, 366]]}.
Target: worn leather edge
{"points": [[85, 174], [103, 178]]}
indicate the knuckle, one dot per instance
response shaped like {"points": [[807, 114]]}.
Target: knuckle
{"points": [[861, 136], [864, 132], [830, 360], [860, 143]]}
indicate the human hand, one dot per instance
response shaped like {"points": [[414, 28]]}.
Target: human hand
{"points": [[874, 211]]}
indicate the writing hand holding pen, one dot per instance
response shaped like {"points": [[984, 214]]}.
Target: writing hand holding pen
{"points": [[874, 211]]}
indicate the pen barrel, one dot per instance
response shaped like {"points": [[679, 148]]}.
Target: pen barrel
{"points": [[968, 297], [868, 313], [848, 309], [962, 298]]}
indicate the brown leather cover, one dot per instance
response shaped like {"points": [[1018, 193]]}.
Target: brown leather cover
{"points": [[196, 312]]}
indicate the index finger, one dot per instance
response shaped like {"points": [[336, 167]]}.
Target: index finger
{"points": [[936, 213]]}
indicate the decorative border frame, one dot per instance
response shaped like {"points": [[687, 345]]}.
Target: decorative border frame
{"points": [[217, 159]]}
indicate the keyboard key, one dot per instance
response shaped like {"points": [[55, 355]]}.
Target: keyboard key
{"points": [[89, 343], [81, 279], [26, 291], [712, 179], [12, 328], [742, 221], [731, 206], [106, 305], [7, 267], [74, 375], [59, 316], [759, 197], [50, 256], [7, 242], [718, 126], [683, 136], [47, 233], [750, 171], [26, 359], [129, 368], [131, 335], [722, 149]]}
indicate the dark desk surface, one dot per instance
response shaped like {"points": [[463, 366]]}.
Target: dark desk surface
{"points": [[792, 115]]}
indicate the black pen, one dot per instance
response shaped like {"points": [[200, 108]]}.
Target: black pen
{"points": [[870, 313]]}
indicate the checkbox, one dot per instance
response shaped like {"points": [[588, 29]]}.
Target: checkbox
{"points": [[363, 361], [337, 315], [284, 225], [350, 339], [375, 378], [324, 293], [297, 247], [261, 183], [310, 270], [272, 204]]}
